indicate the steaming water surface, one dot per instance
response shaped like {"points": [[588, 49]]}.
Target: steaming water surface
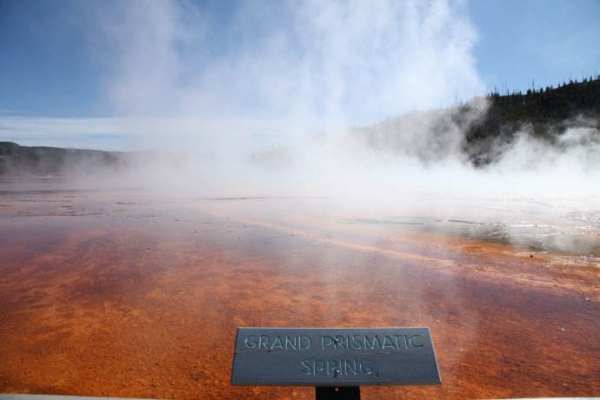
{"points": [[128, 293]]}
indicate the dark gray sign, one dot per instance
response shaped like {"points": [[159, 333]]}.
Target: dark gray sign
{"points": [[334, 357]]}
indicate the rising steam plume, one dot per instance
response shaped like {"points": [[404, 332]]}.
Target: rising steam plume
{"points": [[317, 98]]}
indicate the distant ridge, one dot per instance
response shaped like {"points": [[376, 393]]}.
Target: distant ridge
{"points": [[41, 160], [546, 113], [481, 137]]}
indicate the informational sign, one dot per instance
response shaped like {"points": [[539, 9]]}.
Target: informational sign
{"points": [[334, 357]]}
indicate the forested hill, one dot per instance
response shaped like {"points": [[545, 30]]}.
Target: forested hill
{"points": [[550, 103], [485, 127], [545, 113]]}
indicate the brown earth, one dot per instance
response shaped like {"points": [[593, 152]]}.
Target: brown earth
{"points": [[114, 294]]}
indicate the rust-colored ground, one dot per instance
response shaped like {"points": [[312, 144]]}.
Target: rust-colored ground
{"points": [[117, 295]]}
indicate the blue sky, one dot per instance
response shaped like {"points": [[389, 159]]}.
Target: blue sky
{"points": [[549, 41], [63, 59]]}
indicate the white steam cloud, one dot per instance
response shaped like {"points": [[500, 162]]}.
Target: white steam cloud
{"points": [[346, 61], [283, 71], [260, 101]]}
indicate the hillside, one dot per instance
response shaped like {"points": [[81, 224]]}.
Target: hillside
{"points": [[24, 160], [482, 129]]}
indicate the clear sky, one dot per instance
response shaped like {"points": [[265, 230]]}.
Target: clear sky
{"points": [[549, 41], [62, 60]]}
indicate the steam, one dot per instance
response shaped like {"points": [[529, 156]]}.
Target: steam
{"points": [[264, 101], [321, 99], [279, 74], [341, 61]]}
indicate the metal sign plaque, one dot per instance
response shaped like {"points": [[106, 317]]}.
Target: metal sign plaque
{"points": [[334, 357]]}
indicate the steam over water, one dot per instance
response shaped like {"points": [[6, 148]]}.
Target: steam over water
{"points": [[271, 109]]}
